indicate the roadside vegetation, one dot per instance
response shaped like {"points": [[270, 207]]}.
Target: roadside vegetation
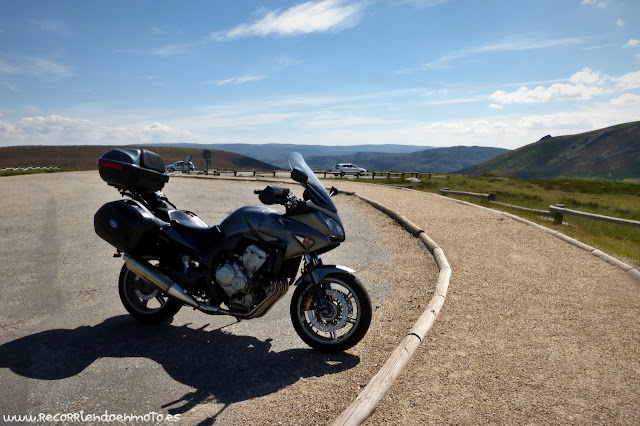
{"points": [[9, 172], [608, 198]]}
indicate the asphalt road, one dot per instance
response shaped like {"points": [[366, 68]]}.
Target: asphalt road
{"points": [[68, 346]]}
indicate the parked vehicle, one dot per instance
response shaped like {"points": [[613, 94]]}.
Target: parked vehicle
{"points": [[342, 169], [240, 267], [180, 165]]}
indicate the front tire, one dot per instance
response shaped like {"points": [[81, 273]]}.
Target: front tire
{"points": [[143, 300], [345, 322]]}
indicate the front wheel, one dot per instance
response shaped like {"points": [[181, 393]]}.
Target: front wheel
{"points": [[143, 300], [342, 324]]}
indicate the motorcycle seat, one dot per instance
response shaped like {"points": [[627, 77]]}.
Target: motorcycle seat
{"points": [[195, 235]]}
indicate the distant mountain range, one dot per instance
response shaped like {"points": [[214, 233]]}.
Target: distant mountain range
{"points": [[278, 154], [371, 157], [610, 153], [438, 160]]}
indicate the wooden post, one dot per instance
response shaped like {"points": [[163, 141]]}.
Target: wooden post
{"points": [[558, 217], [373, 174], [235, 173]]}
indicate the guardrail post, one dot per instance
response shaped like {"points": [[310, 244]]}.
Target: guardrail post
{"points": [[373, 174], [235, 173], [558, 217]]}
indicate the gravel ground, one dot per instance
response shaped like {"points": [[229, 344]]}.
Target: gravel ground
{"points": [[398, 297], [534, 330]]}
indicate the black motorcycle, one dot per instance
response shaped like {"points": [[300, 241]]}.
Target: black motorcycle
{"points": [[241, 267]]}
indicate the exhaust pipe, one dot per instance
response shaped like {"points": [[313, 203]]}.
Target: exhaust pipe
{"points": [[151, 275]]}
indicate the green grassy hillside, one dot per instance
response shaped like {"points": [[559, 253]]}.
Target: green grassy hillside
{"points": [[610, 153], [85, 157]]}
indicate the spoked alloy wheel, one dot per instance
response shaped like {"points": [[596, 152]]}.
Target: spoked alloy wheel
{"points": [[143, 300], [342, 324]]}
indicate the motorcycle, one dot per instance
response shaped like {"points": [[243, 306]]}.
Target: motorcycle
{"points": [[240, 267]]}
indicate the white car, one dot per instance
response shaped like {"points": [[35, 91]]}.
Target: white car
{"points": [[348, 169], [178, 166]]}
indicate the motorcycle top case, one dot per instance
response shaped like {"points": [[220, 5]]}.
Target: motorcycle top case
{"points": [[137, 169], [127, 225]]}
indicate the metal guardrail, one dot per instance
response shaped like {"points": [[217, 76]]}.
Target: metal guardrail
{"points": [[557, 211], [490, 196]]}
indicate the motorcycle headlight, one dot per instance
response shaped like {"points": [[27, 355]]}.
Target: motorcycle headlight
{"points": [[334, 227]]}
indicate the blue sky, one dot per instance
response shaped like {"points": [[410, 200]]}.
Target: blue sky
{"points": [[332, 72]]}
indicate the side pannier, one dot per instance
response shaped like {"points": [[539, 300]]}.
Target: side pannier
{"points": [[128, 226]]}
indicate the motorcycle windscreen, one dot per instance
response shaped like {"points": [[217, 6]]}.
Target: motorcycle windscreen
{"points": [[317, 192]]}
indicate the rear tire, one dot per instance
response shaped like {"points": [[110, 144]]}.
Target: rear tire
{"points": [[143, 300], [343, 325]]}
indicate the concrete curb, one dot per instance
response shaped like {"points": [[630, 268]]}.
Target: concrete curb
{"points": [[630, 270], [365, 403]]}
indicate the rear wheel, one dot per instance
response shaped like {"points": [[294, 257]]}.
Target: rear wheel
{"points": [[345, 321], [143, 300]]}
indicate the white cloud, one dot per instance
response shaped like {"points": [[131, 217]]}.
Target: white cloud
{"points": [[7, 68], [38, 67], [594, 3], [425, 3], [627, 98], [166, 50], [632, 43], [333, 121], [584, 85], [620, 23], [586, 76], [495, 106], [629, 81], [56, 129], [305, 18], [445, 62], [234, 80], [46, 68], [555, 92], [49, 25]]}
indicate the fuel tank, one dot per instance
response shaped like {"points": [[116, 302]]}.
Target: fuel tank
{"points": [[270, 225]]}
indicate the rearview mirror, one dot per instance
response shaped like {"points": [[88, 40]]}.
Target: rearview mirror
{"points": [[298, 175]]}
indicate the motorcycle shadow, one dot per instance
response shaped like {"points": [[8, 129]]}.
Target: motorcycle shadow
{"points": [[218, 365]]}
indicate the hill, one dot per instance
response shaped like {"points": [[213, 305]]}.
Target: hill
{"points": [[438, 160], [84, 157], [610, 153], [278, 154]]}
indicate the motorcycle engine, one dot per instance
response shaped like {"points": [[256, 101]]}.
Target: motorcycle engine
{"points": [[236, 277]]}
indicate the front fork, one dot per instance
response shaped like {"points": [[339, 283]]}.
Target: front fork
{"points": [[310, 274]]}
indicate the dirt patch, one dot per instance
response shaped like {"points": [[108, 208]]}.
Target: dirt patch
{"points": [[533, 331]]}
